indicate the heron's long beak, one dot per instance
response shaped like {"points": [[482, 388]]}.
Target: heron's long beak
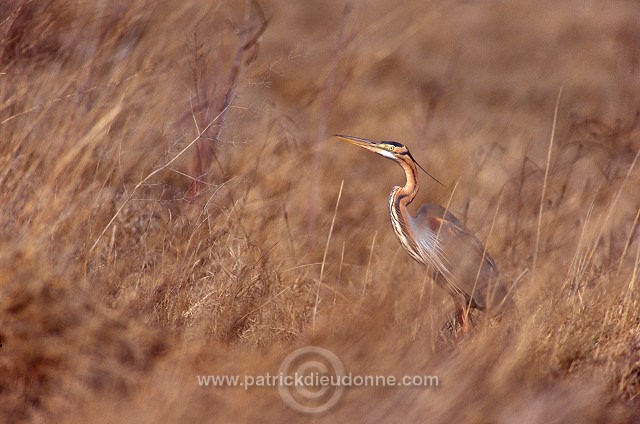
{"points": [[362, 142], [374, 147]]}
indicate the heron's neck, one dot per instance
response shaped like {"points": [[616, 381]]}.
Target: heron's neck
{"points": [[400, 218], [403, 196]]}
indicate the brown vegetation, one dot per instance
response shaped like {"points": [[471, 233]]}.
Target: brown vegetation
{"points": [[168, 205]]}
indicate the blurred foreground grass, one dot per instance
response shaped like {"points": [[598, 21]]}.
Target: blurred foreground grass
{"points": [[128, 267]]}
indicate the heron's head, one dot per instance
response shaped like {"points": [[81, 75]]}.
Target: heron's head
{"points": [[389, 149]]}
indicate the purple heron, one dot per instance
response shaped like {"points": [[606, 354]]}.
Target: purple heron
{"points": [[435, 238]]}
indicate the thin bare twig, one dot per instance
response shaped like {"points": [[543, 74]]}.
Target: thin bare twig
{"points": [[206, 148], [324, 258], [544, 185], [154, 172], [366, 273], [441, 86]]}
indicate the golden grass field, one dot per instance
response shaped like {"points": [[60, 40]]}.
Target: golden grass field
{"points": [[168, 206]]}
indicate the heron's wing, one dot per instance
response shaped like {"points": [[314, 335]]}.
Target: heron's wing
{"points": [[470, 267]]}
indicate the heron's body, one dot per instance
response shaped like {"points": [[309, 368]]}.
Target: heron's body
{"points": [[435, 238]]}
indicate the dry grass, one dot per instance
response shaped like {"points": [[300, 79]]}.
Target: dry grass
{"points": [[120, 281]]}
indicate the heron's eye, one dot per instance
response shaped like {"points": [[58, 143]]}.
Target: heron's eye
{"points": [[390, 148]]}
